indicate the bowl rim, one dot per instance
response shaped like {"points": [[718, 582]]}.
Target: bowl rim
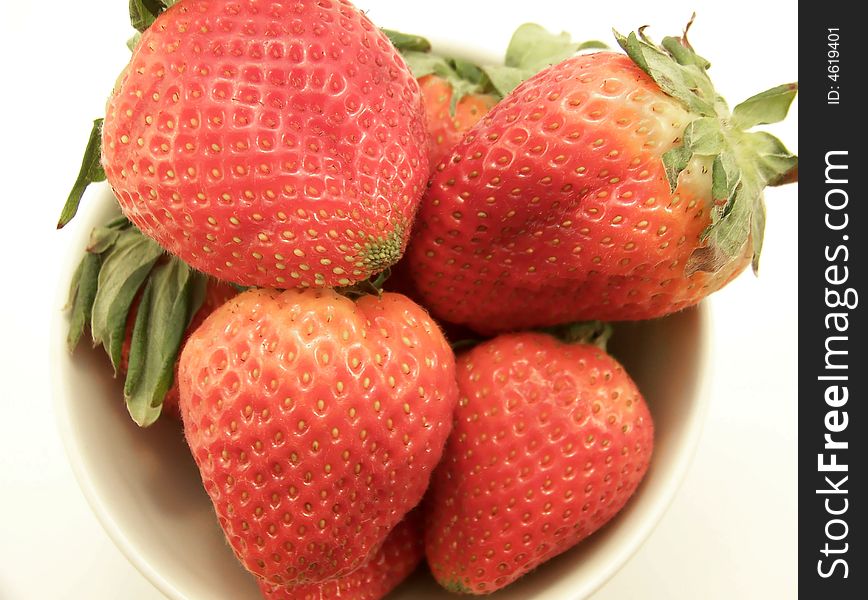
{"points": [[62, 409]]}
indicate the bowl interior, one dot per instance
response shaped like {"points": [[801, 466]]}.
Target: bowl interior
{"points": [[146, 491]]}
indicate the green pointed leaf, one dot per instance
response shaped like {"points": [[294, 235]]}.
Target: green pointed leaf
{"points": [[460, 88], [468, 71], [534, 48], [125, 267], [683, 54], [630, 44], [757, 231], [74, 283], [134, 41], [144, 12], [425, 63], [773, 161], [688, 83], [91, 171], [676, 49], [675, 161], [139, 338], [102, 238], [82, 294], [770, 106], [725, 177], [593, 45], [505, 79], [407, 42], [724, 240], [704, 137], [168, 303]]}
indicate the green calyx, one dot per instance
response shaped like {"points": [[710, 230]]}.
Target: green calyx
{"points": [[743, 162], [119, 264], [531, 49]]}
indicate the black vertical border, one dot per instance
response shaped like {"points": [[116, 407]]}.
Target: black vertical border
{"points": [[824, 254]]}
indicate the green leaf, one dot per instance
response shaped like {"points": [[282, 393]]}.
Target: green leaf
{"points": [[468, 71], [725, 239], [534, 48], [407, 42], [772, 159], [134, 41], [770, 106], [675, 161], [102, 238], [82, 293], [424, 63], [704, 136], [144, 12], [593, 45], [91, 171], [683, 55], [725, 177], [757, 230], [505, 79], [172, 295], [125, 266]]}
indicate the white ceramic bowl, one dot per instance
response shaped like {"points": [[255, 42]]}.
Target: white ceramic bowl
{"points": [[144, 488]]}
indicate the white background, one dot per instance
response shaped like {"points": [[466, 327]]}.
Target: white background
{"points": [[731, 531]]}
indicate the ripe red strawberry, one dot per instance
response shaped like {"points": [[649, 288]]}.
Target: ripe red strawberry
{"points": [[315, 422], [605, 187], [550, 441], [216, 294], [445, 128], [399, 555], [269, 144]]}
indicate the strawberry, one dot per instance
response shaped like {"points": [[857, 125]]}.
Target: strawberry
{"points": [[216, 294], [316, 422], [445, 126], [269, 144], [399, 555], [458, 93], [607, 186], [140, 305], [550, 441]]}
